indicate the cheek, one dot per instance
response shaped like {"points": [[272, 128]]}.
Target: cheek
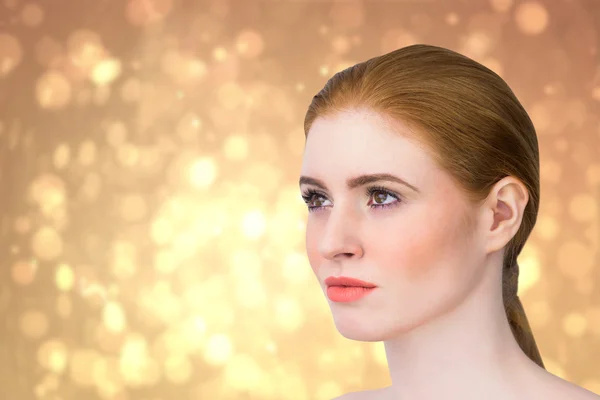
{"points": [[421, 248], [312, 247], [408, 252]]}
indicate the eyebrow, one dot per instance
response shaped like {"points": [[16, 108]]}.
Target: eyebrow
{"points": [[358, 181]]}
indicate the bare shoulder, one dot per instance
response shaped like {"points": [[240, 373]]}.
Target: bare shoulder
{"points": [[561, 389], [363, 395], [349, 396], [353, 396], [575, 392]]}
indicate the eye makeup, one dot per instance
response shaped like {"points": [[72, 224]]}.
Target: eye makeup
{"points": [[309, 194]]}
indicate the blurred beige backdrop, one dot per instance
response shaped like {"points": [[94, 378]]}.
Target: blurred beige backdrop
{"points": [[152, 230]]}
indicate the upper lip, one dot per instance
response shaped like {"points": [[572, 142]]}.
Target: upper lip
{"points": [[346, 281]]}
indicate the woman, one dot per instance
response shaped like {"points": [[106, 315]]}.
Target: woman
{"points": [[421, 175]]}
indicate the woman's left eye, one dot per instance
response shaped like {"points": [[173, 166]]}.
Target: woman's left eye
{"points": [[381, 194]]}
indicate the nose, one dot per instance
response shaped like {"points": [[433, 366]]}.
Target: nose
{"points": [[340, 237]]}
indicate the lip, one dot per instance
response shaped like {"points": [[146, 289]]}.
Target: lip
{"points": [[347, 281], [347, 294]]}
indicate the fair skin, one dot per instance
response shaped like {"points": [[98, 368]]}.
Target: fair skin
{"points": [[438, 302]]}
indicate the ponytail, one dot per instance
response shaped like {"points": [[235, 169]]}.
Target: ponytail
{"points": [[515, 313]]}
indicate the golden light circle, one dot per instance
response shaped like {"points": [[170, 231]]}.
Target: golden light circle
{"points": [[131, 91], [87, 153], [575, 259], [62, 156], [145, 12], [235, 148], [53, 90], [547, 227], [11, 54], [452, 19], [48, 51], [243, 373], [113, 317], [178, 369], [219, 350], [133, 207], [106, 71], [53, 355], [531, 17], [584, 207], [250, 43], [64, 277], [574, 324], [34, 324], [85, 49], [32, 14], [47, 243], [81, 365], [501, 5], [203, 172], [23, 272]]}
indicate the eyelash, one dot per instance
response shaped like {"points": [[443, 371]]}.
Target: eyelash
{"points": [[308, 194]]}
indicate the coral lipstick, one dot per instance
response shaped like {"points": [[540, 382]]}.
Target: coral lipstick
{"points": [[345, 290]]}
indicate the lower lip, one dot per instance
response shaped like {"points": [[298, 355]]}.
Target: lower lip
{"points": [[346, 294]]}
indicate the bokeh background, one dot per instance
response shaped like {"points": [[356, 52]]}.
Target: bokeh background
{"points": [[152, 230]]}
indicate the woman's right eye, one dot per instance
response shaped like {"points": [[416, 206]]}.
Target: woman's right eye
{"points": [[308, 198]]}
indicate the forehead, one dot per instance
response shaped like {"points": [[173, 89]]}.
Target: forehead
{"points": [[364, 142]]}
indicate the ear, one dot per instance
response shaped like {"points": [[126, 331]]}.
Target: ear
{"points": [[503, 212]]}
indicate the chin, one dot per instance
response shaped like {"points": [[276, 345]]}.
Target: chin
{"points": [[362, 328], [366, 328], [361, 334], [367, 333]]}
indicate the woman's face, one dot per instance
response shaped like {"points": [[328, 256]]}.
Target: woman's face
{"points": [[418, 250]]}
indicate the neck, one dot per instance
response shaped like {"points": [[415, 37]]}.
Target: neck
{"points": [[467, 353]]}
